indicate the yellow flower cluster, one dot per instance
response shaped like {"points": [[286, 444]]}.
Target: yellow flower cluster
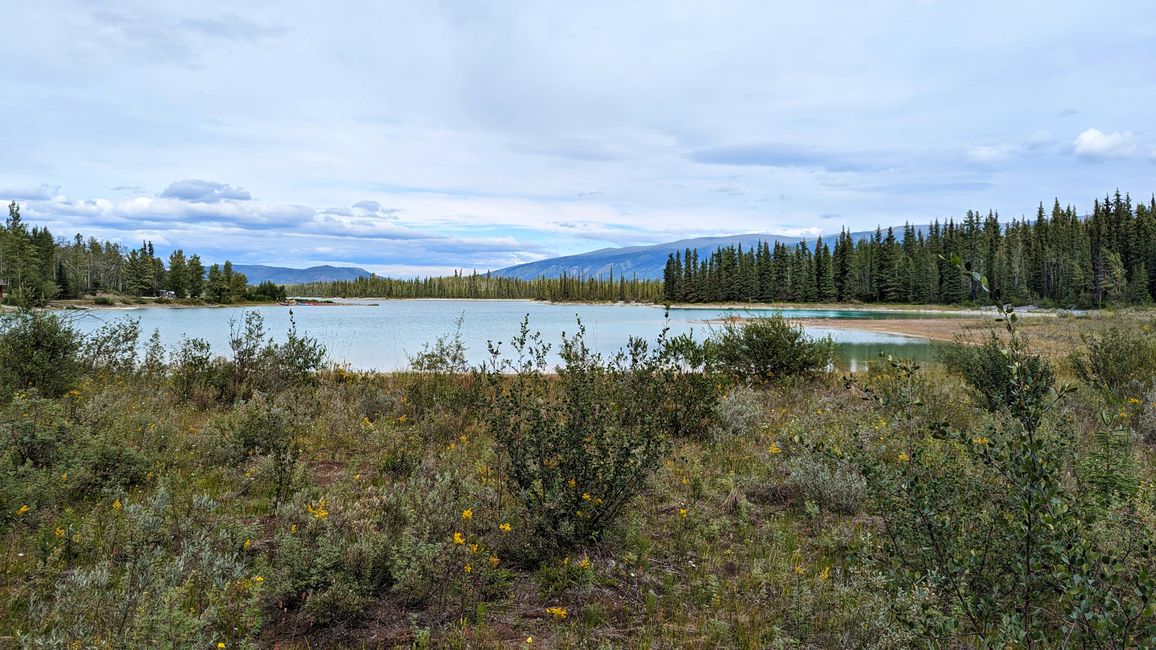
{"points": [[558, 613], [318, 510]]}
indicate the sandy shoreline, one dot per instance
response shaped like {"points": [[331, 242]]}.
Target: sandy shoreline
{"points": [[933, 329]]}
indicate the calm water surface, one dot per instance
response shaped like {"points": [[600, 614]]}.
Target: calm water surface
{"points": [[382, 336]]}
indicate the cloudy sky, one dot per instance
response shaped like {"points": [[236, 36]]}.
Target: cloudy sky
{"points": [[416, 137]]}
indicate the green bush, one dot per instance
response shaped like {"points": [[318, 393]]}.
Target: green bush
{"points": [[110, 467], [767, 349], [34, 431], [264, 429], [991, 371], [1122, 359], [37, 350], [112, 349], [580, 445]]}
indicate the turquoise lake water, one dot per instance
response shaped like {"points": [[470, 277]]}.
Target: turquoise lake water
{"points": [[383, 335]]}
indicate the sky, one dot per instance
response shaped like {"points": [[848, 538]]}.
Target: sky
{"points": [[413, 138]]}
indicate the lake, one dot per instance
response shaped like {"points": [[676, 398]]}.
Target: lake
{"points": [[368, 335]]}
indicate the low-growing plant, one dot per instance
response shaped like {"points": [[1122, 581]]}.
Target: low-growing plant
{"points": [[834, 486], [740, 413]]}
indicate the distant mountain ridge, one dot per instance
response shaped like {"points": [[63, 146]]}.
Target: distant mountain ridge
{"points": [[258, 273], [645, 262]]}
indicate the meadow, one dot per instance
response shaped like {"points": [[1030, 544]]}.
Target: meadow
{"points": [[722, 493]]}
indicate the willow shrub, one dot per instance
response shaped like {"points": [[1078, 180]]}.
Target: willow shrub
{"points": [[1121, 360], [37, 351], [581, 443], [766, 349]]}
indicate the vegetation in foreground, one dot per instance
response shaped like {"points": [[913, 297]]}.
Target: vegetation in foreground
{"points": [[730, 493]]}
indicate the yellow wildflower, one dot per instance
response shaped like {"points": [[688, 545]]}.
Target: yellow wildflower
{"points": [[357, 476], [573, 484], [980, 440], [775, 448], [293, 529], [23, 509], [504, 527], [494, 560], [903, 457], [825, 573], [558, 613], [318, 511], [584, 563], [1133, 400], [585, 496], [459, 539], [248, 543], [682, 512], [467, 568], [474, 548], [529, 640], [468, 514], [116, 505], [464, 438], [402, 419], [258, 579], [64, 476], [59, 532], [799, 570], [221, 644]]}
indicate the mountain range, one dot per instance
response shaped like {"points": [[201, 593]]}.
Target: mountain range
{"points": [[258, 273], [645, 262]]}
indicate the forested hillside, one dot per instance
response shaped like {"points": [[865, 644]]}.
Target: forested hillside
{"points": [[1060, 259]]}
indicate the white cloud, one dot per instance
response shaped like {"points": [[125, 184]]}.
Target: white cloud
{"points": [[1094, 144]]}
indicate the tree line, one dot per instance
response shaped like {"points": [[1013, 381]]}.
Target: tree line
{"points": [[39, 268], [565, 288], [1059, 258]]}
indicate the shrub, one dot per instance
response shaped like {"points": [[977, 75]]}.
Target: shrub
{"points": [[197, 376], [34, 431], [990, 369], [740, 413], [326, 565], [110, 467], [1146, 417], [1122, 359], [833, 486], [766, 349], [112, 348], [581, 445], [103, 301], [176, 579], [263, 429], [37, 350]]}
